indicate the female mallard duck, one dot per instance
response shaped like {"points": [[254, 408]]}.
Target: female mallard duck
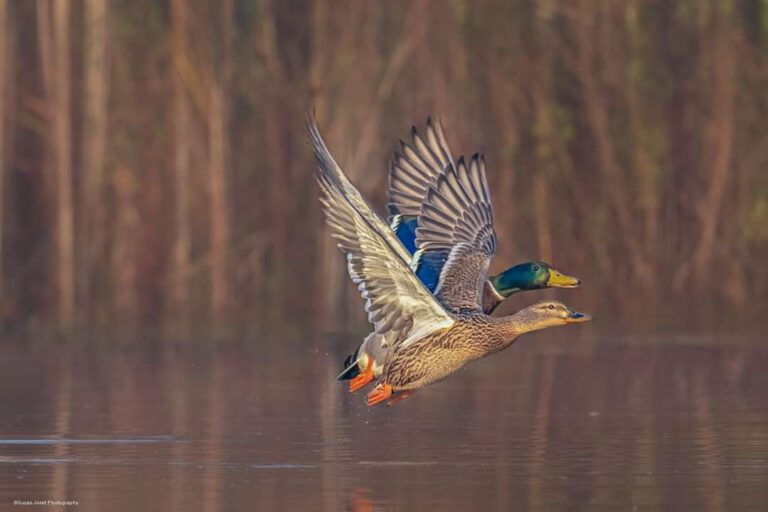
{"points": [[412, 171], [431, 336]]}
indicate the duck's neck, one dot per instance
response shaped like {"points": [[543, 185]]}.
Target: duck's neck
{"points": [[499, 287], [491, 297], [522, 322]]}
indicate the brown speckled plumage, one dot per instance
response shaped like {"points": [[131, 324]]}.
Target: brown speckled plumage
{"points": [[473, 335], [445, 352]]}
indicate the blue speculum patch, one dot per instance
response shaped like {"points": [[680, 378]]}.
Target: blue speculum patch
{"points": [[430, 263], [405, 229], [429, 266]]}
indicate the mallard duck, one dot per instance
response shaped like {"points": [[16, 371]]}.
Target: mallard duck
{"points": [[431, 335], [412, 171]]}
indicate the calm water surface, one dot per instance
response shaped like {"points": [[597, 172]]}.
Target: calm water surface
{"points": [[596, 422]]}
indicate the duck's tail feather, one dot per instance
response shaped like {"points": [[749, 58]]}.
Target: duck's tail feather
{"points": [[351, 369]]}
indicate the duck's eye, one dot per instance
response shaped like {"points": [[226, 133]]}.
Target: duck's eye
{"points": [[535, 268], [551, 306]]}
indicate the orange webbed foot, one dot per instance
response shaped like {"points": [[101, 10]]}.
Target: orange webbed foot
{"points": [[399, 396], [362, 379], [379, 394]]}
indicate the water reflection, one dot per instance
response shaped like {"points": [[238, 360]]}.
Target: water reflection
{"points": [[544, 426]]}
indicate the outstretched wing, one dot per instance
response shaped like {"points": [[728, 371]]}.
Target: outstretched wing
{"points": [[412, 171], [397, 303], [339, 182], [456, 220]]}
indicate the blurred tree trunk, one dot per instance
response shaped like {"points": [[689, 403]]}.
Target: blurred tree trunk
{"points": [[718, 136], [54, 43], [543, 131], [329, 275], [181, 118], [125, 248], [10, 204], [4, 43], [219, 162], [65, 241], [94, 143], [318, 59], [45, 44], [545, 167], [643, 162], [275, 127]]}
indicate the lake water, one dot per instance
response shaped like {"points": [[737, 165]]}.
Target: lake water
{"points": [[565, 421]]}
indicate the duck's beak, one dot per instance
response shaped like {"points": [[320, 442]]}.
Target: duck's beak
{"points": [[559, 280], [574, 317]]}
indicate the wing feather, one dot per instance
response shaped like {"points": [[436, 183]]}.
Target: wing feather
{"points": [[457, 217], [339, 181], [397, 303], [416, 167]]}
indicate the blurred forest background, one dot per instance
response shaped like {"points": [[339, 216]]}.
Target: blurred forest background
{"points": [[155, 174]]}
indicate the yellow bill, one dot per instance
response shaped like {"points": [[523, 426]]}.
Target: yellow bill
{"points": [[560, 280]]}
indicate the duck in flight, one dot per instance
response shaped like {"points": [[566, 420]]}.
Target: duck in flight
{"points": [[430, 334], [413, 170]]}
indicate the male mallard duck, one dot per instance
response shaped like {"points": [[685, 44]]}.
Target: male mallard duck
{"points": [[431, 336], [412, 171]]}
